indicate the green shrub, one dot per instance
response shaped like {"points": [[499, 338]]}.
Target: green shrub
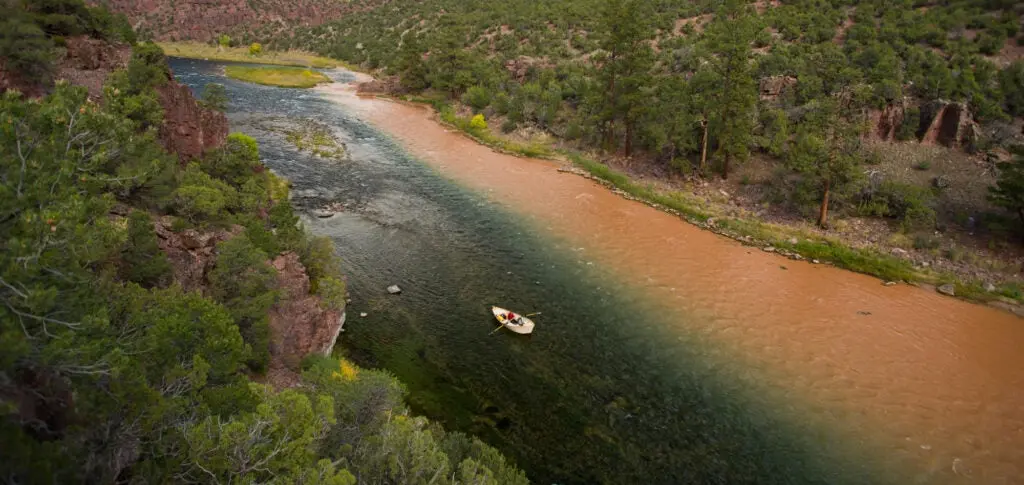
{"points": [[509, 126], [331, 292], [926, 241], [142, 260], [478, 123], [25, 48], [246, 285], [215, 97], [909, 126], [910, 204], [317, 254], [922, 165], [477, 97], [236, 162]]}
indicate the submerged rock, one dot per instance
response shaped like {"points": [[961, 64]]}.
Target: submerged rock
{"points": [[394, 290]]}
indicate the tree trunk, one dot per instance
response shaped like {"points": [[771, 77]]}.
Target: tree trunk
{"points": [[1020, 213], [704, 147], [629, 138], [725, 166], [823, 216], [609, 136]]}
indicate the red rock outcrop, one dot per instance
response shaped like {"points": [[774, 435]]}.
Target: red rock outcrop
{"points": [[189, 129], [388, 85], [952, 125], [299, 324], [191, 253], [87, 62], [772, 87], [519, 67], [205, 19], [886, 123]]}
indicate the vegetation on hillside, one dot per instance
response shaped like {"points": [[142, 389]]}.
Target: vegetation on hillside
{"points": [[678, 81], [800, 90], [30, 30], [111, 372], [197, 50], [286, 77]]}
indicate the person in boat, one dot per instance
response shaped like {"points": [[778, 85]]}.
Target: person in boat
{"points": [[512, 318]]}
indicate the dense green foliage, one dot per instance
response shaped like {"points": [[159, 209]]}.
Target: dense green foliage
{"points": [[1009, 190], [679, 80], [31, 29], [111, 372]]}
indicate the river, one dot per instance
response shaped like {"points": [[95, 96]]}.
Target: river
{"points": [[663, 354]]}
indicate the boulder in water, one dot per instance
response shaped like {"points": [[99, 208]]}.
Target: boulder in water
{"points": [[394, 289]]}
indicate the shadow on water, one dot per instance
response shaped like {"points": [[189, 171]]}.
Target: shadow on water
{"points": [[602, 393]]}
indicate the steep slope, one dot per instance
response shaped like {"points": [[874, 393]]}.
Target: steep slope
{"points": [[249, 20]]}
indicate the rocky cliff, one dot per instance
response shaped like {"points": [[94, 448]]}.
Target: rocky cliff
{"points": [[299, 322], [205, 19], [188, 128]]}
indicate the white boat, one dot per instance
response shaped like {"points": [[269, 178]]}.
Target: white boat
{"points": [[522, 324]]}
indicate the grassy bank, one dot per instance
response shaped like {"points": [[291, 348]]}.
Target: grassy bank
{"points": [[791, 241], [481, 133], [287, 77], [197, 50], [786, 240]]}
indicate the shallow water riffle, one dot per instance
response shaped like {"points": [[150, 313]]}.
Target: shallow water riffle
{"points": [[631, 376]]}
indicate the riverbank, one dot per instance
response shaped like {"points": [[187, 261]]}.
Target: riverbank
{"points": [[285, 77], [712, 208], [198, 50]]}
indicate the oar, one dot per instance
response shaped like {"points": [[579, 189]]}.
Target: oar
{"points": [[503, 325]]}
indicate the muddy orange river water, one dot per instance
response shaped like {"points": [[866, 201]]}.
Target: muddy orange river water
{"points": [[934, 382]]}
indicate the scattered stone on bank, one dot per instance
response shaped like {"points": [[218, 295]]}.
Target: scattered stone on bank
{"points": [[989, 287], [947, 289], [890, 283], [323, 213], [899, 251], [394, 290], [363, 314], [793, 241], [768, 249], [815, 261]]}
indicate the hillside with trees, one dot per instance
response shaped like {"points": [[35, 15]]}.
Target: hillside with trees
{"points": [[142, 281], [244, 20], [882, 121]]}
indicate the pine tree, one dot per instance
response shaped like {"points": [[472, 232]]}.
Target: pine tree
{"points": [[729, 38], [1008, 192], [624, 71], [826, 152]]}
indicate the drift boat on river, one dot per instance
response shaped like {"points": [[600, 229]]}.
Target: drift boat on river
{"points": [[520, 324]]}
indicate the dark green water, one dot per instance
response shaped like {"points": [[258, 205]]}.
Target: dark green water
{"points": [[602, 393]]}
